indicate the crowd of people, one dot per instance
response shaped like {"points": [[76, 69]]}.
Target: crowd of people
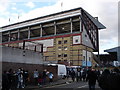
{"points": [[14, 79], [110, 80], [20, 78], [40, 77], [107, 79]]}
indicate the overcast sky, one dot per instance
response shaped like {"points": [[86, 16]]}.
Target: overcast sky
{"points": [[105, 10]]}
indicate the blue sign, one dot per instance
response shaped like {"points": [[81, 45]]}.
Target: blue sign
{"points": [[88, 63]]}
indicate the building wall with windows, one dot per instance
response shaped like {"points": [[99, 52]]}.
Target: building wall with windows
{"points": [[69, 36]]}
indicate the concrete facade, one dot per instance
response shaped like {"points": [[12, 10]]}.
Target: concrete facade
{"points": [[64, 35], [16, 55]]}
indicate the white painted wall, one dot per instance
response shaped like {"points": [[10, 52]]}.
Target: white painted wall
{"points": [[15, 55], [77, 38]]}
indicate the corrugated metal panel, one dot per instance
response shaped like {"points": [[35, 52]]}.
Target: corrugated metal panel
{"points": [[95, 21]]}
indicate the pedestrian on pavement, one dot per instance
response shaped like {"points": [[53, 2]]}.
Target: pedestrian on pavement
{"points": [[40, 80], [44, 76], [35, 75], [78, 75], [50, 75], [114, 80], [14, 81], [73, 75], [10, 74], [20, 79], [84, 73], [103, 80], [91, 78], [26, 77], [5, 81]]}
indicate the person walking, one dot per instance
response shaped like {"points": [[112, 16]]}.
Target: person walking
{"points": [[44, 75], [10, 74], [114, 80], [36, 75], [50, 75], [78, 75], [73, 75], [20, 79], [40, 80], [91, 78], [84, 73], [103, 80], [14, 80], [5, 81]]}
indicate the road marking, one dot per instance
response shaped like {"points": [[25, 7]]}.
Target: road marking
{"points": [[83, 86], [56, 85]]}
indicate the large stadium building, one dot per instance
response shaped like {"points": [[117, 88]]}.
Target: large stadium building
{"points": [[69, 37]]}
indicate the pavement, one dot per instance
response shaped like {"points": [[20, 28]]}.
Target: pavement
{"points": [[58, 82]]}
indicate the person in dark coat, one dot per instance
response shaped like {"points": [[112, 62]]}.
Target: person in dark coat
{"points": [[78, 75], [103, 80], [73, 75], [91, 78], [44, 76], [10, 74], [5, 81], [114, 80], [84, 73], [14, 81]]}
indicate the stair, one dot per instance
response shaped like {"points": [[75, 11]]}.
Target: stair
{"points": [[96, 59]]}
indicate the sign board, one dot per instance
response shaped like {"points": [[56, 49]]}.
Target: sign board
{"points": [[89, 64]]}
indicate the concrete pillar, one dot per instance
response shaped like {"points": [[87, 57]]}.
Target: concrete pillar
{"points": [[80, 24], [28, 32], [40, 30], [71, 25], [18, 34], [9, 36], [55, 32]]}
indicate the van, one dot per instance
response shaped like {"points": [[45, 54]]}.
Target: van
{"points": [[61, 70]]}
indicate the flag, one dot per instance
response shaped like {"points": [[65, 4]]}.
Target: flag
{"points": [[18, 16], [61, 4], [9, 19]]}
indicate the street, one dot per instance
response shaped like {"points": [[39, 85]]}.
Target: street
{"points": [[70, 86]]}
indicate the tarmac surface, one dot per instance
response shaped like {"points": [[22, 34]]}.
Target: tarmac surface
{"points": [[63, 83]]}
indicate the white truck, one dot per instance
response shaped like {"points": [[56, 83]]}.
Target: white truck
{"points": [[62, 71]]}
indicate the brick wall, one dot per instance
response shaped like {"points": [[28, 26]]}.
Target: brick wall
{"points": [[31, 68]]}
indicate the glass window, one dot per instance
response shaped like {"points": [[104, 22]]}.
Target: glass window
{"points": [[65, 55], [65, 48], [84, 57], [76, 40], [89, 59], [59, 48], [65, 41], [59, 42], [59, 55]]}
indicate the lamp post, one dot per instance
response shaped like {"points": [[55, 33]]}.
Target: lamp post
{"points": [[86, 49], [86, 56]]}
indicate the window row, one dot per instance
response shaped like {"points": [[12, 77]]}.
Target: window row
{"points": [[63, 48], [62, 55], [65, 42]]}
